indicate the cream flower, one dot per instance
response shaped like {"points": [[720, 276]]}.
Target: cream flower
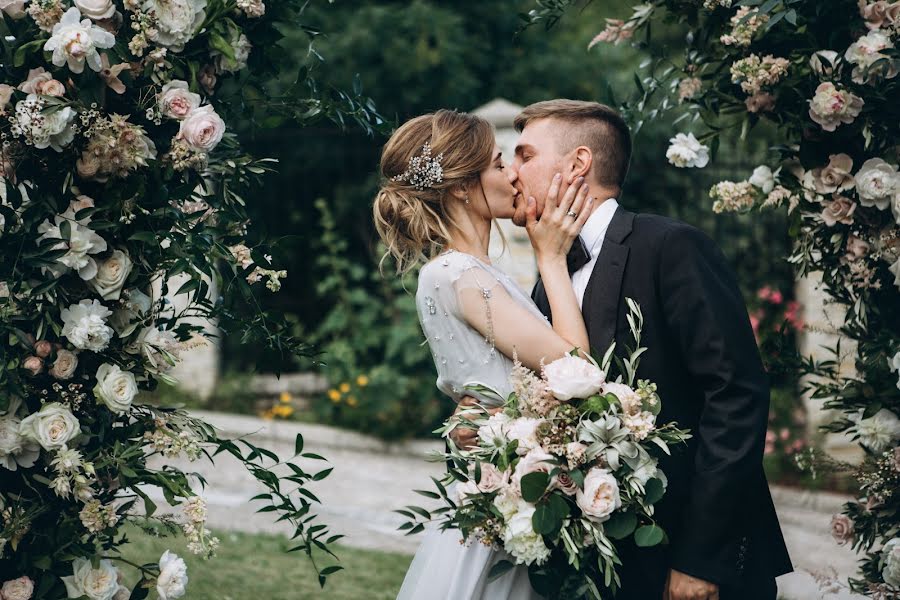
{"points": [[52, 427], [111, 275], [82, 242], [877, 182], [96, 9], [42, 128], [824, 62], [97, 584], [524, 430], [17, 589], [894, 364], [84, 324], [115, 388], [203, 129], [891, 554], [240, 48], [536, 461], [176, 101], [176, 20], [830, 106], [16, 450], [173, 578], [865, 52], [839, 210], [573, 377], [520, 539], [600, 496], [14, 8], [133, 307], [493, 432], [75, 42], [686, 152], [878, 432], [895, 271]]}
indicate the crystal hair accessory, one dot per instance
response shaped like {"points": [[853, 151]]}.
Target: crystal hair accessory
{"points": [[424, 170]]}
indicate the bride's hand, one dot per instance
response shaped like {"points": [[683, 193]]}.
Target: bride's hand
{"points": [[553, 235]]}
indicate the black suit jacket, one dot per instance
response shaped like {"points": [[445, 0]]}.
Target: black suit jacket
{"points": [[717, 511]]}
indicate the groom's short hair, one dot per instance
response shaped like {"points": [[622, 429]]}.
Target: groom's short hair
{"points": [[597, 126]]}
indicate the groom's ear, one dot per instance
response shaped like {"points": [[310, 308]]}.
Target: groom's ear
{"points": [[582, 161]]}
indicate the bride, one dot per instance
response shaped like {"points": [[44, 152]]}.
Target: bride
{"points": [[444, 183]]}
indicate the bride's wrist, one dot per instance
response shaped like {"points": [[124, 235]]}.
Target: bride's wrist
{"points": [[550, 262]]}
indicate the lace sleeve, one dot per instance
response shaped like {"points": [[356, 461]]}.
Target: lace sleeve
{"points": [[475, 289]]}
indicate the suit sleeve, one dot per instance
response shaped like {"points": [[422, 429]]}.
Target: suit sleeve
{"points": [[705, 313]]}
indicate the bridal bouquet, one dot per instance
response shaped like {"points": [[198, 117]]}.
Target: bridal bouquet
{"points": [[566, 468]]}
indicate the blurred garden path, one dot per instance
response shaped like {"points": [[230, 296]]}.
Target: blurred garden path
{"points": [[372, 478]]}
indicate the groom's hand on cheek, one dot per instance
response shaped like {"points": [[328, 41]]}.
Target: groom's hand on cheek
{"points": [[680, 586]]}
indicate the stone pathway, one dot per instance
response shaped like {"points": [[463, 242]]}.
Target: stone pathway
{"points": [[372, 478]]}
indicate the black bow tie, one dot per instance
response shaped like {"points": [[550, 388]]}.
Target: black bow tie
{"points": [[578, 256]]}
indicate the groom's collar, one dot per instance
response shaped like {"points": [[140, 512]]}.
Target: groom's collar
{"points": [[597, 224], [620, 226]]}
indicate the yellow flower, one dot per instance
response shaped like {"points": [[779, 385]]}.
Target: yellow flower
{"points": [[351, 400], [266, 414], [285, 397], [362, 381], [345, 387], [334, 395], [283, 411]]}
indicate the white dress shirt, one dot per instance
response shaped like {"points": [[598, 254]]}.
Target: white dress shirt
{"points": [[592, 234]]}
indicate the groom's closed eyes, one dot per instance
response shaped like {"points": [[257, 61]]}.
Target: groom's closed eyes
{"points": [[524, 151]]}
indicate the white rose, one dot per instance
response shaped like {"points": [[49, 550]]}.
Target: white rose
{"points": [[115, 388], [824, 68], [75, 42], [876, 183], [600, 496], [686, 151], [176, 101], [572, 377], [173, 578], [763, 178], [879, 431], [464, 490], [97, 584], [524, 429], [493, 433], [96, 9], [507, 502], [84, 324], [536, 461], [891, 554], [646, 470], [176, 20], [17, 589], [134, 305], [14, 8], [16, 450], [520, 539], [894, 364], [65, 364], [202, 129], [52, 427], [111, 275], [154, 344]]}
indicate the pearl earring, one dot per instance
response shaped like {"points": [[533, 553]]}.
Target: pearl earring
{"points": [[467, 199]]}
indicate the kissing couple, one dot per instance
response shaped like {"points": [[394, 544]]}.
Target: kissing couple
{"points": [[444, 182]]}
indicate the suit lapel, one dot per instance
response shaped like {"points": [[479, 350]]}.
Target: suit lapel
{"points": [[601, 298]]}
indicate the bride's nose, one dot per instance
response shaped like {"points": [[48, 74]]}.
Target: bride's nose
{"points": [[511, 174]]}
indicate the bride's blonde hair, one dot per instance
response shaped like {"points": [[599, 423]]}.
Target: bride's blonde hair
{"points": [[414, 224]]}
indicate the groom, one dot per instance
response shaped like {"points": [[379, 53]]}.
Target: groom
{"points": [[724, 539]]}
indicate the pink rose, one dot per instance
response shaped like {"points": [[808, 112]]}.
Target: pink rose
{"points": [[878, 13], [856, 248], [33, 364], [40, 81], [835, 176], [43, 348], [537, 460], [566, 484], [176, 101], [841, 529], [202, 129], [760, 102], [17, 589], [492, 479], [839, 210]]}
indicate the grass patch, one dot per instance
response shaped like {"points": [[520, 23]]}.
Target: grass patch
{"points": [[256, 567]]}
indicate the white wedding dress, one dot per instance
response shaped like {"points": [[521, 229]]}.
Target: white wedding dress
{"points": [[443, 568]]}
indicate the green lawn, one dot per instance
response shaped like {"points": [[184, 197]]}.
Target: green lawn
{"points": [[256, 567]]}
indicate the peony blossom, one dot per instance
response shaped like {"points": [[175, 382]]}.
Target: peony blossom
{"points": [[830, 107], [520, 539], [524, 430], [176, 20], [686, 152], [50, 129], [878, 432], [173, 578], [877, 183], [75, 42], [84, 324], [573, 377], [865, 52], [17, 589]]}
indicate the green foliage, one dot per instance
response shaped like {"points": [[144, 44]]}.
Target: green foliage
{"points": [[382, 380]]}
